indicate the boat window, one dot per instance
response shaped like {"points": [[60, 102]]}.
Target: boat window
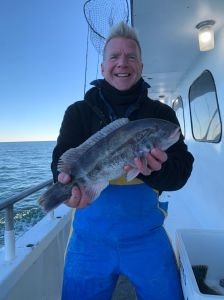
{"points": [[179, 110], [204, 109]]}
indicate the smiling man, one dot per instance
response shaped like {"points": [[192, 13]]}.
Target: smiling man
{"points": [[122, 66], [122, 231]]}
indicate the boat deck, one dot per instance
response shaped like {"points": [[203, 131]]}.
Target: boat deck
{"points": [[124, 290]]}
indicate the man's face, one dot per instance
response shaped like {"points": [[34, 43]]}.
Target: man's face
{"points": [[122, 66]]}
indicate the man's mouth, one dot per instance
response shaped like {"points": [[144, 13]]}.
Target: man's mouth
{"points": [[123, 75]]}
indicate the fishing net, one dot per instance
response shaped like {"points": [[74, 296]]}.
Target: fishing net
{"points": [[101, 15]]}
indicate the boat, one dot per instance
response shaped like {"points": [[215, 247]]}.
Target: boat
{"points": [[189, 78]]}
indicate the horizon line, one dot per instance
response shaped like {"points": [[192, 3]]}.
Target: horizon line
{"points": [[27, 141]]}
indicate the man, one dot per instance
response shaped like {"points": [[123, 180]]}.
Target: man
{"points": [[122, 231]]}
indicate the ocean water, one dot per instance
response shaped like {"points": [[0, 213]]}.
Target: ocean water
{"points": [[23, 165]]}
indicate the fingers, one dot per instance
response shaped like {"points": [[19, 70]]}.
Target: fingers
{"points": [[83, 203], [64, 178], [150, 162], [159, 155], [76, 200], [142, 165], [155, 159]]}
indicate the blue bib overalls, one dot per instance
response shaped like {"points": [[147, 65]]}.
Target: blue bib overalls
{"points": [[121, 233]]}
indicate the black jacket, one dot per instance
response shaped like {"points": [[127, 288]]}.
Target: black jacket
{"points": [[83, 118]]}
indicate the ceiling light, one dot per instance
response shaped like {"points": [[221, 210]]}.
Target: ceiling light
{"points": [[206, 35]]}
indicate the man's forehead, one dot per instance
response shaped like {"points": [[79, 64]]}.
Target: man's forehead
{"points": [[119, 44]]}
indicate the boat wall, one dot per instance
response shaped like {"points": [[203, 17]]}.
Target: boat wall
{"points": [[36, 272], [200, 203]]}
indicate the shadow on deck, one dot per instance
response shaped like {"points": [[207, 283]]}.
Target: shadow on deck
{"points": [[124, 290]]}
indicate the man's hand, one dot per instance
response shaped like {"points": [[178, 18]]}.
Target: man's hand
{"points": [[76, 200], [152, 162]]}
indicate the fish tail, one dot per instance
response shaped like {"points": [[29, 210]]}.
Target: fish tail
{"points": [[55, 195]]}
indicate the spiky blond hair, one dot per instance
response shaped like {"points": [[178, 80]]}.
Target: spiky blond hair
{"points": [[122, 30]]}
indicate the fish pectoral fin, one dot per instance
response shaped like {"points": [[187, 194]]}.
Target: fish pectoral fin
{"points": [[144, 163], [91, 193], [131, 174], [134, 171]]}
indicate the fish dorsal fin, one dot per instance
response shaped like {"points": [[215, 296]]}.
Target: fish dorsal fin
{"points": [[75, 153], [103, 133]]}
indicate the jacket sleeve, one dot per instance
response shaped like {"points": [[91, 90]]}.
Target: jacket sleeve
{"points": [[178, 167], [70, 136]]}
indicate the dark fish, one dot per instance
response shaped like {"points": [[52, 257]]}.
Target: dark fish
{"points": [[102, 157], [200, 272]]}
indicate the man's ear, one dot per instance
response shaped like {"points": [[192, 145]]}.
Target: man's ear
{"points": [[102, 69], [142, 67]]}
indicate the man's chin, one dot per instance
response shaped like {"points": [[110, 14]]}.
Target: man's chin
{"points": [[122, 86]]}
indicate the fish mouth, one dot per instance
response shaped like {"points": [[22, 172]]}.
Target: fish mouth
{"points": [[176, 134]]}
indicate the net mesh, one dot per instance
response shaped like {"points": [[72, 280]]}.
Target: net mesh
{"points": [[101, 15]]}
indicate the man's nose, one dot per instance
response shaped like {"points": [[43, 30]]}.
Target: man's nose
{"points": [[123, 60]]}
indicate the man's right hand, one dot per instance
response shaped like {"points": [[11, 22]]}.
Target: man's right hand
{"points": [[76, 200]]}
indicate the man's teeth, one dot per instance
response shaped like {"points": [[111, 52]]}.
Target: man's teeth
{"points": [[123, 75]]}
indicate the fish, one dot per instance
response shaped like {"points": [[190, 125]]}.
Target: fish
{"points": [[103, 156], [200, 272]]}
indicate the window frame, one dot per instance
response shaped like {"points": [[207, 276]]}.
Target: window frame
{"points": [[179, 98], [218, 109]]}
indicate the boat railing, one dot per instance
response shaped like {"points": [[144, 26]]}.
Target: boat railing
{"points": [[7, 205]]}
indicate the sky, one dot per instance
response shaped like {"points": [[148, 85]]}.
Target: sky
{"points": [[42, 66]]}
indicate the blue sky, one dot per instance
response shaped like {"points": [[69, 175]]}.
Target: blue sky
{"points": [[42, 65]]}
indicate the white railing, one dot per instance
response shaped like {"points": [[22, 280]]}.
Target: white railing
{"points": [[7, 205]]}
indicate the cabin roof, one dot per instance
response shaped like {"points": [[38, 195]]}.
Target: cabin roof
{"points": [[169, 39]]}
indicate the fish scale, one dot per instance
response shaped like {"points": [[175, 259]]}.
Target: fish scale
{"points": [[103, 156]]}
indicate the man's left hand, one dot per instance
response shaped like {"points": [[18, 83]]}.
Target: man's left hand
{"points": [[152, 162]]}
